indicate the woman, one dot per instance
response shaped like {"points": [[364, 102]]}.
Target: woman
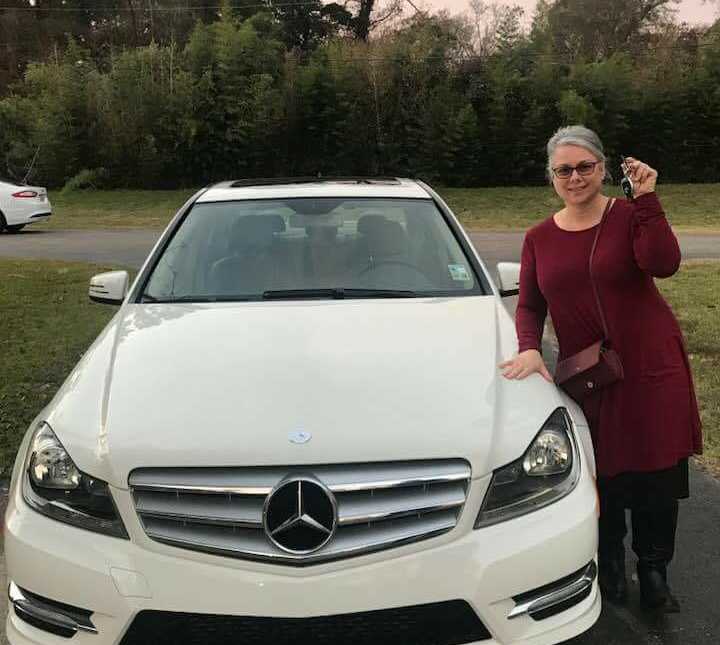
{"points": [[645, 426]]}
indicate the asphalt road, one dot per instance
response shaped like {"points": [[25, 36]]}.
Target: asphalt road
{"points": [[130, 247], [695, 573]]}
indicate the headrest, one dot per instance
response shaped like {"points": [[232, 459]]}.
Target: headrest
{"points": [[255, 230], [369, 223], [385, 237]]}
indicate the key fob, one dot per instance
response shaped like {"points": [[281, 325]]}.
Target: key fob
{"points": [[626, 183]]}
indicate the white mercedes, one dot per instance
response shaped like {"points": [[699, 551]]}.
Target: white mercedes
{"points": [[294, 430]]}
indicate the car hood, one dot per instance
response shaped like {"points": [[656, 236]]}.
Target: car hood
{"points": [[370, 380]]}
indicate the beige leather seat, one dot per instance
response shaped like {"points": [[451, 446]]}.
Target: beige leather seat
{"points": [[252, 268]]}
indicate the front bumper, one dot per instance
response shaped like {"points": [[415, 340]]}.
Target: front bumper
{"points": [[492, 569]]}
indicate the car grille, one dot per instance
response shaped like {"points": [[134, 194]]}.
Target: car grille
{"points": [[445, 623], [220, 510]]}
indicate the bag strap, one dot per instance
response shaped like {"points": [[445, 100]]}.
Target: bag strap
{"points": [[592, 253]]}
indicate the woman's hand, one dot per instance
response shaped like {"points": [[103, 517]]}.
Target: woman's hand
{"points": [[643, 176], [524, 364]]}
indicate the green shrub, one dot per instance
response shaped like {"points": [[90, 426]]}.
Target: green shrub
{"points": [[86, 179]]}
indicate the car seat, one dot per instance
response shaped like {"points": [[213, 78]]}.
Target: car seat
{"points": [[251, 269]]}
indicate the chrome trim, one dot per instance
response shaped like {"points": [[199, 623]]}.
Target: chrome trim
{"points": [[47, 613], [327, 555], [399, 483], [547, 600], [210, 490], [338, 478], [379, 505], [299, 514], [213, 521], [335, 488], [223, 510], [394, 515], [375, 509]]}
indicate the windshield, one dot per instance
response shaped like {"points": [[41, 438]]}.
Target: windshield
{"points": [[311, 247]]}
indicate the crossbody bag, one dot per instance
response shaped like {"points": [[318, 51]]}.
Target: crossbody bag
{"points": [[598, 365]]}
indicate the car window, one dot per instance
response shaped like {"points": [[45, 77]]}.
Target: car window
{"points": [[256, 248]]}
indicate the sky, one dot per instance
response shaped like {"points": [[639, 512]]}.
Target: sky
{"points": [[691, 11]]}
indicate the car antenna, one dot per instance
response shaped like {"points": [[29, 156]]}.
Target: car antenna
{"points": [[30, 167]]}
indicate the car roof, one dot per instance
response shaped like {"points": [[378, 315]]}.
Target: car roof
{"points": [[314, 187]]}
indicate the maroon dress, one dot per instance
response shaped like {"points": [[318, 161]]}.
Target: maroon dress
{"points": [[649, 421]]}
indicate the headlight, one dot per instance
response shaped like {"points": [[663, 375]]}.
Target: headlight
{"points": [[54, 486], [547, 471]]}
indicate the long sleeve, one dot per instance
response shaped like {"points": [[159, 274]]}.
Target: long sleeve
{"points": [[655, 246], [532, 308]]}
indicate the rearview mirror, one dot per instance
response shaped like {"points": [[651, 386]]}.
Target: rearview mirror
{"points": [[509, 273], [109, 288]]}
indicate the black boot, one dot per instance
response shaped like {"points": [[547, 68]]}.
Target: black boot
{"points": [[612, 578], [652, 576], [654, 543], [611, 550]]}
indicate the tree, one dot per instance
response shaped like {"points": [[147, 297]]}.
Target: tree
{"points": [[360, 17], [306, 25], [495, 26], [595, 29], [247, 89]]}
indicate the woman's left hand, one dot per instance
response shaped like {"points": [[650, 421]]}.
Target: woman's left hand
{"points": [[643, 176]]}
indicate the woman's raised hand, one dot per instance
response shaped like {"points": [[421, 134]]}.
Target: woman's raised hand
{"points": [[524, 364], [643, 176]]}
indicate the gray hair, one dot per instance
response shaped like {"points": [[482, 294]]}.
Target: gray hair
{"points": [[576, 135]]}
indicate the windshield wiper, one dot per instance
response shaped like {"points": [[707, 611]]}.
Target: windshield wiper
{"points": [[336, 294], [215, 298], [288, 294]]}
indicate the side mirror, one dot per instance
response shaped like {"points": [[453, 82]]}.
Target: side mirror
{"points": [[509, 273], [109, 288]]}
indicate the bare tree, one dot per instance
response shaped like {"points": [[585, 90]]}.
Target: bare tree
{"points": [[492, 24]]}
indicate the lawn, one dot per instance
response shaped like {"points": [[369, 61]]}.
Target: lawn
{"points": [[694, 293], [48, 322], [115, 208], [690, 207]]}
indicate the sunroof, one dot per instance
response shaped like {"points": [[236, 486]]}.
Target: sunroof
{"points": [[274, 181]]}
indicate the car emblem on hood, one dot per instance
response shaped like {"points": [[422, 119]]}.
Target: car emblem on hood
{"points": [[300, 515], [299, 437]]}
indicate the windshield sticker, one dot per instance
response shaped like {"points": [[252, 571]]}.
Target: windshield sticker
{"points": [[458, 272]]}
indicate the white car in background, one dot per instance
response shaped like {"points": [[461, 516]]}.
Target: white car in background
{"points": [[294, 430], [21, 205]]}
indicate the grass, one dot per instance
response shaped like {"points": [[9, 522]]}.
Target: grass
{"points": [[690, 207], [48, 322], [115, 208], [694, 293]]}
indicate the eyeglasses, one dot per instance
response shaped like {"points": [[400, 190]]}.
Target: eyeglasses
{"points": [[584, 168]]}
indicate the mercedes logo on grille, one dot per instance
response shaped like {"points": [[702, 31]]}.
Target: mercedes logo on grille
{"points": [[300, 515]]}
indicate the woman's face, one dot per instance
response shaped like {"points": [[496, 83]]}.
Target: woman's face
{"points": [[577, 188]]}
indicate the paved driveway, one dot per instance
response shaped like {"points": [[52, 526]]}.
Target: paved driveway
{"points": [[130, 247], [695, 573]]}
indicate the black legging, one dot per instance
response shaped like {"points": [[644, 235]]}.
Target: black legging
{"points": [[653, 528]]}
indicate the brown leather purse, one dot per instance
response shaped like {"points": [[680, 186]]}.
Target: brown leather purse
{"points": [[598, 365]]}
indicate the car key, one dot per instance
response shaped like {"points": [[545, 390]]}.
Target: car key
{"points": [[626, 183]]}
